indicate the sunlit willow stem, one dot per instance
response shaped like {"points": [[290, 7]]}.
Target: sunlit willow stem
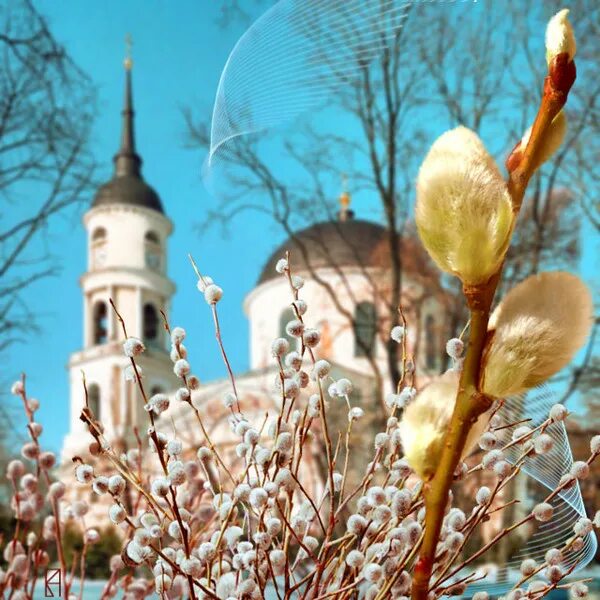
{"points": [[470, 403]]}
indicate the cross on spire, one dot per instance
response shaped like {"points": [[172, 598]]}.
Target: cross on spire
{"points": [[345, 213], [127, 161], [128, 62]]}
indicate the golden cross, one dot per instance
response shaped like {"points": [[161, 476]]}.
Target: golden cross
{"points": [[128, 62]]}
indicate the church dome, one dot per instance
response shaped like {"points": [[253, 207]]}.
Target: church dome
{"points": [[341, 243], [127, 189]]}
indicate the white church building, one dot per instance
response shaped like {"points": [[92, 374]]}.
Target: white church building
{"points": [[343, 262]]}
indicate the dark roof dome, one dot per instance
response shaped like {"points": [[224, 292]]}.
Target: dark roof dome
{"points": [[127, 189], [127, 185], [332, 243]]}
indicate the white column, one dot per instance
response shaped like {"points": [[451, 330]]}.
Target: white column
{"points": [[140, 312], [87, 324], [111, 317]]}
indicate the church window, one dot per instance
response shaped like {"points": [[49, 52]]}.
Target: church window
{"points": [[430, 343], [99, 235], [100, 323], [365, 329], [94, 399], [286, 316], [98, 247], [153, 250], [150, 323]]}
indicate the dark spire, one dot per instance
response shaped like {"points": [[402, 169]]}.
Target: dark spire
{"points": [[127, 161], [127, 185]]}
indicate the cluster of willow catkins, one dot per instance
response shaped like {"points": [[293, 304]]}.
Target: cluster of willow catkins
{"points": [[41, 511], [243, 524]]}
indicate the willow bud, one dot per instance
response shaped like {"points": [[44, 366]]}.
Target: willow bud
{"points": [[463, 212], [425, 422], [552, 141], [560, 38], [535, 331]]}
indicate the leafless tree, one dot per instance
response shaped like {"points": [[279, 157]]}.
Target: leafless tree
{"points": [[480, 67], [46, 108]]}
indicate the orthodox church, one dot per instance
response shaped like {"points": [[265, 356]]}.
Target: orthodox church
{"points": [[345, 266]]}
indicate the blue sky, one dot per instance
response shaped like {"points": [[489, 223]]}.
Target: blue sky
{"points": [[178, 56]]}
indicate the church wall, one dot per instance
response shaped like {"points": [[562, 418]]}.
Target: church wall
{"points": [[264, 307]]}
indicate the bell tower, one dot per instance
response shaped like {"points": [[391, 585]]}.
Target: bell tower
{"points": [[127, 232]]}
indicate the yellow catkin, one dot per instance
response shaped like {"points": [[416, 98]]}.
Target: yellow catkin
{"points": [[552, 141], [425, 422], [536, 330], [463, 212]]}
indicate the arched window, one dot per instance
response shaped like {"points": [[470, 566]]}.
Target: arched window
{"points": [[99, 235], [100, 323], [98, 249], [286, 316], [153, 250], [150, 323], [430, 343], [152, 236], [94, 399], [365, 329]]}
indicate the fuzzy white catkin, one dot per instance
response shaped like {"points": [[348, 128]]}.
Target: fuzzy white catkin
{"points": [[397, 333], [583, 527], [560, 38], [455, 348], [281, 266], [321, 369], [528, 566], [543, 512], [279, 347], [311, 338], [537, 328], [117, 513], [116, 484], [355, 559], [84, 473], [373, 572], [212, 294], [543, 443], [133, 347], [580, 469], [553, 556], [356, 524], [295, 328], [277, 557], [483, 495], [463, 212], [595, 444], [177, 335], [578, 590], [558, 412], [181, 368], [344, 387]]}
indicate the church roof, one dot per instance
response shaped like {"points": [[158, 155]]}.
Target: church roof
{"points": [[350, 242], [339, 243], [127, 185]]}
